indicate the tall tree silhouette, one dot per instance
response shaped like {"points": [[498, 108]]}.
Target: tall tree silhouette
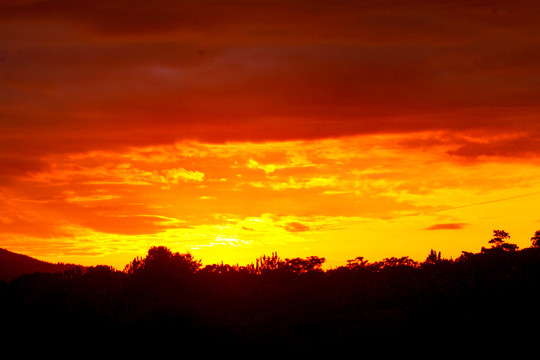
{"points": [[266, 263], [499, 241], [433, 258]]}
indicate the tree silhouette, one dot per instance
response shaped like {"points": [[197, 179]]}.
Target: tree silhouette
{"points": [[536, 239], [498, 237], [272, 263], [498, 241], [160, 261], [220, 269], [302, 266], [357, 263], [433, 258], [265, 264], [395, 262]]}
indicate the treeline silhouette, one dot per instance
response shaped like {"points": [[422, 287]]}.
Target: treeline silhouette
{"points": [[276, 301]]}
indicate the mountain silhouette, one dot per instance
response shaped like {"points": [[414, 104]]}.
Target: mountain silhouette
{"points": [[13, 265]]}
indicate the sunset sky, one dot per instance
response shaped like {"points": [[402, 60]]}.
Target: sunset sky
{"points": [[234, 129]]}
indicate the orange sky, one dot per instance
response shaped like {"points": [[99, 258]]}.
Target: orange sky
{"points": [[233, 130]]}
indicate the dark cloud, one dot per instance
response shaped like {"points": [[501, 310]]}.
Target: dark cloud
{"points": [[98, 74], [12, 168], [524, 146], [273, 18]]}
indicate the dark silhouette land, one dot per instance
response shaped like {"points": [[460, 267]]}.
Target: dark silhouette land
{"points": [[286, 303], [13, 265]]}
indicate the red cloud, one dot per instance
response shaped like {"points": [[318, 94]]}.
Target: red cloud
{"points": [[449, 226], [296, 227]]}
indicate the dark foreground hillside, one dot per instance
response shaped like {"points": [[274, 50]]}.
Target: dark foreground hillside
{"points": [[290, 302], [13, 265]]}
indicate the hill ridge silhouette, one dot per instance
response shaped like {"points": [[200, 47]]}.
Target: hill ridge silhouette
{"points": [[13, 265]]}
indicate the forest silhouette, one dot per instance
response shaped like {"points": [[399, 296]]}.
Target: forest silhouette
{"points": [[286, 302]]}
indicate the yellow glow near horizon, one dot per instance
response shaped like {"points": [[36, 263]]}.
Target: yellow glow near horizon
{"points": [[337, 198]]}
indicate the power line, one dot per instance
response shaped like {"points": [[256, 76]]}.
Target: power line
{"points": [[356, 222], [491, 201]]}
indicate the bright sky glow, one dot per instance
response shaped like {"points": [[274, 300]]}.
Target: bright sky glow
{"points": [[236, 130]]}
